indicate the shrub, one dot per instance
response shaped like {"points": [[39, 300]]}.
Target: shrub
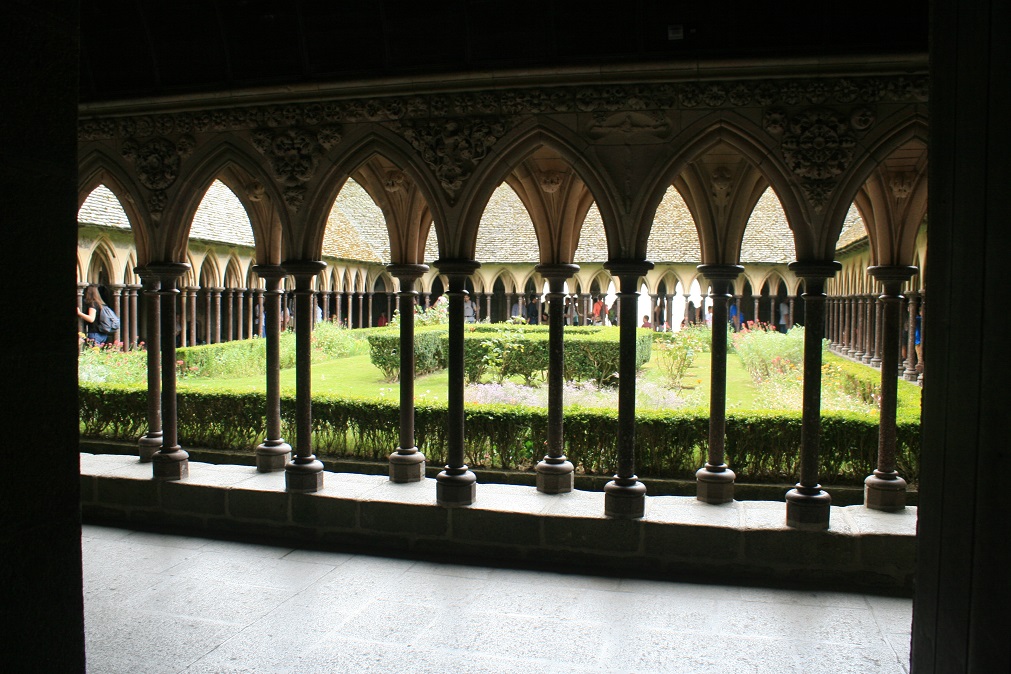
{"points": [[675, 354], [429, 351], [108, 364]]}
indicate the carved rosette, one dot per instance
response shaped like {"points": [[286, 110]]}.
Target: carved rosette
{"points": [[293, 154], [157, 163], [453, 148], [818, 146]]}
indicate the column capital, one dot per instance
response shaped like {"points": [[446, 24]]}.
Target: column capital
{"points": [[269, 271], [164, 271], [892, 273], [115, 286], [407, 273], [720, 272], [627, 268], [557, 270], [815, 269], [460, 267], [303, 268]]}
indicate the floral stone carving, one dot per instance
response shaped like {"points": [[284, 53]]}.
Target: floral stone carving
{"points": [[452, 148]]}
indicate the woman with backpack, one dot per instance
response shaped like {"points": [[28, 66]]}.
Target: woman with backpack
{"points": [[97, 317]]}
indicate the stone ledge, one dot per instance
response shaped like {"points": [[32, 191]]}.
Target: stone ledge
{"points": [[678, 538]]}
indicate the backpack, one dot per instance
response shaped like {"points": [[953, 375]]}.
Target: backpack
{"points": [[107, 321]]}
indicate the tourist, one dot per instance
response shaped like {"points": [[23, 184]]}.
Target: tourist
{"points": [[709, 316], [784, 316], [94, 304], [468, 310], [734, 317], [645, 322], [382, 320]]}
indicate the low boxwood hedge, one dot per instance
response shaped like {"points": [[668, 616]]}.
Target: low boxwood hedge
{"points": [[762, 446]]}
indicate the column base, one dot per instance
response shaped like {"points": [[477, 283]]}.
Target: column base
{"points": [[876, 362], [715, 484], [555, 478], [407, 465], [455, 489], [885, 491], [272, 455], [171, 464], [808, 508], [303, 475], [148, 446], [625, 499]]}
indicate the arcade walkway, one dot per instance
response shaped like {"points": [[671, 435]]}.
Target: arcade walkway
{"points": [[165, 603]]}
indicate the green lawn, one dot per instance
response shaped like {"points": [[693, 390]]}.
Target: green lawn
{"points": [[356, 376]]}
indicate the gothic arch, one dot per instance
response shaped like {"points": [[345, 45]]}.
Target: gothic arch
{"points": [[246, 177], [97, 168], [349, 157], [751, 142], [509, 153]]}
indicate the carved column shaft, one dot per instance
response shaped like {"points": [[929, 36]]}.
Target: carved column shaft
{"points": [[884, 489], [304, 473], [407, 464], [171, 462], [151, 441], [807, 505], [455, 485], [909, 373], [715, 480], [273, 453]]}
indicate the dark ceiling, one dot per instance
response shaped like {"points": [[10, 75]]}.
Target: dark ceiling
{"points": [[139, 48]]}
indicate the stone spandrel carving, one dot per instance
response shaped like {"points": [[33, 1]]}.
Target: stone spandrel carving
{"points": [[818, 146], [644, 126], [453, 148], [156, 162]]}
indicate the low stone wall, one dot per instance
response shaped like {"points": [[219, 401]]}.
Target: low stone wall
{"points": [[679, 538]]}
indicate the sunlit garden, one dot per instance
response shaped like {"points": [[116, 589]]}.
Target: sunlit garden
{"points": [[355, 384]]}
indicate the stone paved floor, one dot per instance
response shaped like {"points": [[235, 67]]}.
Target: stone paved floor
{"points": [[165, 603]]}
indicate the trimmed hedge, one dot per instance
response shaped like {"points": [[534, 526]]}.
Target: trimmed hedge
{"points": [[761, 446], [591, 352]]}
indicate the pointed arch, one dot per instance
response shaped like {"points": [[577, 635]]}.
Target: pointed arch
{"points": [[508, 154], [742, 136], [97, 168], [247, 177]]}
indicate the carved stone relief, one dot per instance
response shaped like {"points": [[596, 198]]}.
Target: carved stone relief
{"points": [[157, 162]]}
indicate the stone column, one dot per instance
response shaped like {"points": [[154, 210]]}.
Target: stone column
{"points": [[134, 316], [115, 295], [191, 306], [273, 453], [487, 307], [876, 358], [171, 462], [361, 310], [228, 297], [150, 442], [304, 473], [858, 331], [81, 287], [240, 305], [407, 463], [869, 329], [259, 305], [389, 305], [555, 472], [807, 505], [715, 481], [455, 485], [624, 495], [884, 489], [368, 314], [216, 294], [789, 320], [909, 372]]}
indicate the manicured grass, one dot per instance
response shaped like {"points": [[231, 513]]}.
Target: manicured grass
{"points": [[355, 376]]}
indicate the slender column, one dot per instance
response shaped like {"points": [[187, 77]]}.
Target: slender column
{"points": [[807, 505], [116, 293], [304, 473], [789, 320], [150, 442], [389, 305], [240, 306], [909, 373], [715, 481], [208, 303], [361, 310], [81, 287], [370, 310], [228, 297], [919, 351], [273, 453], [191, 302], [884, 489], [407, 463], [858, 328], [875, 360], [171, 462], [869, 329], [134, 316], [555, 473], [624, 495], [455, 485], [487, 307], [216, 294], [125, 319], [183, 318]]}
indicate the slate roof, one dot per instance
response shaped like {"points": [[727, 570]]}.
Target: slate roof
{"points": [[356, 228]]}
